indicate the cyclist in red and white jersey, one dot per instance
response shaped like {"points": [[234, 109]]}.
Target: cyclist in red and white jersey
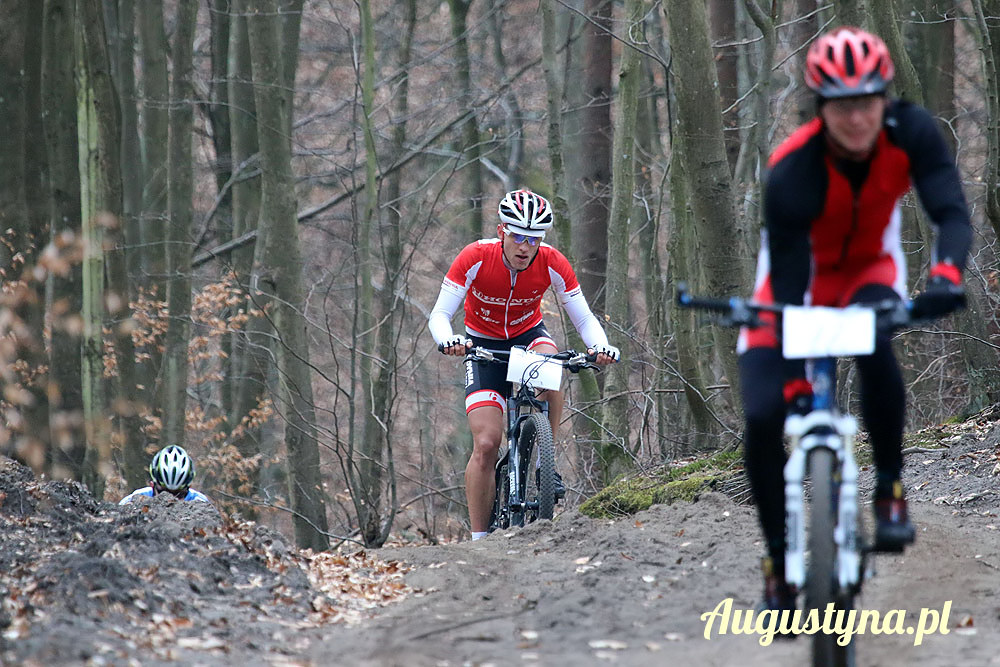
{"points": [[832, 237], [501, 282]]}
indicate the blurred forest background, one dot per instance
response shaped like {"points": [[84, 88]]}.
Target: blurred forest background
{"points": [[224, 222]]}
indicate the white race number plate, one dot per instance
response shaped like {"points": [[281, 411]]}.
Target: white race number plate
{"points": [[814, 331]]}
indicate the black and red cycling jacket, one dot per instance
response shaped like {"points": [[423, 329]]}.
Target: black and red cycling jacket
{"points": [[832, 225]]}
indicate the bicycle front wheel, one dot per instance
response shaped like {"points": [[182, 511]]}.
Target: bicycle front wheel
{"points": [[821, 588], [537, 447]]}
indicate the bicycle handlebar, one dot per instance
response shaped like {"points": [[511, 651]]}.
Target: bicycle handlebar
{"points": [[890, 314], [573, 361]]}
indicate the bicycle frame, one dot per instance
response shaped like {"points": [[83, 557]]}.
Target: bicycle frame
{"points": [[823, 426], [515, 462], [511, 505], [822, 449]]}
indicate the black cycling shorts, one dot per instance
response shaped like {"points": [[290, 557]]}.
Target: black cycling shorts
{"points": [[486, 382]]}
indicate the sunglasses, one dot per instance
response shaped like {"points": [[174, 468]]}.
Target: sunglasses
{"points": [[521, 238]]}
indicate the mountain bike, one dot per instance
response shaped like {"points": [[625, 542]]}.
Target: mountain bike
{"points": [[520, 496], [830, 560]]}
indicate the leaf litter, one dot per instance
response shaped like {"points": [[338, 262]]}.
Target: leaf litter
{"points": [[87, 581]]}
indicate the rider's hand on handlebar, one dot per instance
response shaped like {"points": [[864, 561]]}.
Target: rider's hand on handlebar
{"points": [[606, 354], [798, 394], [942, 295], [456, 346]]}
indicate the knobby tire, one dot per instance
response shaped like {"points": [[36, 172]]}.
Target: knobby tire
{"points": [[536, 438], [821, 577], [501, 502]]}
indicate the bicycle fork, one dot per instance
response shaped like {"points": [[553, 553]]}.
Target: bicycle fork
{"points": [[821, 428]]}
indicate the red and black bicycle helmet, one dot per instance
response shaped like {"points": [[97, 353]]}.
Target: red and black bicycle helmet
{"points": [[847, 62]]}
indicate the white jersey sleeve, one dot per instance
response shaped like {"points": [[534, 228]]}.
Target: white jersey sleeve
{"points": [[572, 299], [448, 301], [583, 318]]}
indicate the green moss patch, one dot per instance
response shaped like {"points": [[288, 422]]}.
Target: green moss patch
{"points": [[666, 484]]}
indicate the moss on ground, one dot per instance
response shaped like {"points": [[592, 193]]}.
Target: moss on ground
{"points": [[667, 484], [670, 483]]}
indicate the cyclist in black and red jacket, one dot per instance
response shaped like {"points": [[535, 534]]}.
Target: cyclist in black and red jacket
{"points": [[832, 237]]}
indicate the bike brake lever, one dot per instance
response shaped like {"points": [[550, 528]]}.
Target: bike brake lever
{"points": [[479, 354]]}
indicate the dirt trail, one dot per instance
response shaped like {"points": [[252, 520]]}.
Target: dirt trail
{"points": [[632, 592], [639, 597], [84, 580]]}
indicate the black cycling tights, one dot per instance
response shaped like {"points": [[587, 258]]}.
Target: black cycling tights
{"points": [[762, 380]]}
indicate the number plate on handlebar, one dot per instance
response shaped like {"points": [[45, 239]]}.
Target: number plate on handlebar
{"points": [[814, 331], [533, 370]]}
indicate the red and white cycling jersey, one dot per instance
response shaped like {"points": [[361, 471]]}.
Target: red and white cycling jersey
{"points": [[501, 303]]}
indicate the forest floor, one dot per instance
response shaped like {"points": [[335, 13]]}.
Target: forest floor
{"points": [[164, 582]]}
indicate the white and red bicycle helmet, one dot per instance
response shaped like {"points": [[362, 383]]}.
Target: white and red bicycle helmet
{"points": [[524, 212], [848, 62]]}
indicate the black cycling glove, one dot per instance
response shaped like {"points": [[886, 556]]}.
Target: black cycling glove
{"points": [[940, 297]]}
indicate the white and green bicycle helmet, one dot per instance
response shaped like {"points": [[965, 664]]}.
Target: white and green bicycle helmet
{"points": [[172, 468]]}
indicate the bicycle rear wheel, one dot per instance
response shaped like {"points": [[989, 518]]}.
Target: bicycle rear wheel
{"points": [[538, 453], [821, 583], [500, 519]]}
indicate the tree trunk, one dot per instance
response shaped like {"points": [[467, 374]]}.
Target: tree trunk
{"points": [[221, 18], [699, 126], [851, 12], [93, 205], [588, 391], [722, 21], [291, 27], [33, 353], [934, 59], [648, 213], [766, 22], [101, 76], [616, 450], [155, 130], [513, 118], [885, 19], [473, 182], [173, 405], [121, 45], [122, 254], [984, 386], [681, 247], [368, 461], [13, 224], [249, 359], [66, 287], [278, 269], [987, 12], [390, 313], [802, 30], [592, 185]]}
